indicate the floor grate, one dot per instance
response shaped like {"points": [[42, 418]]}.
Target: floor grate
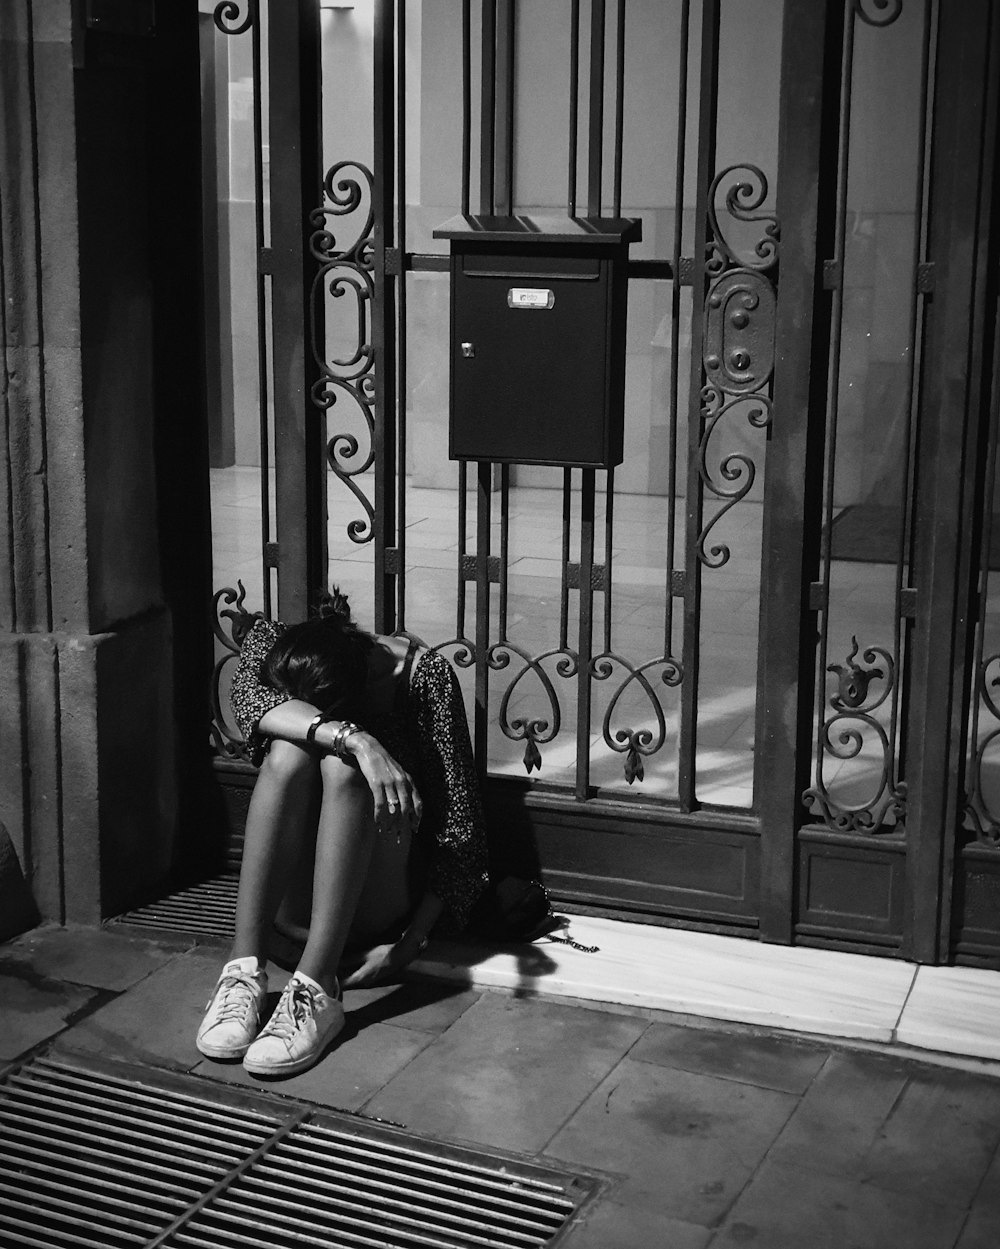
{"points": [[100, 1155], [326, 1185], [206, 909], [90, 1158]]}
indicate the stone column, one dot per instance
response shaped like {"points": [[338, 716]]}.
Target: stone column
{"points": [[88, 787]]}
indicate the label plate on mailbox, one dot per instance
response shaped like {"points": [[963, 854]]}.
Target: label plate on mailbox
{"points": [[530, 297]]}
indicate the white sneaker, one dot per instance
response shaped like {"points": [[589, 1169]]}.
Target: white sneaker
{"points": [[304, 1022], [232, 1016]]}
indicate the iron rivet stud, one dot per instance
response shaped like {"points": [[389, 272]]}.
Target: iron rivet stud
{"points": [[468, 350]]}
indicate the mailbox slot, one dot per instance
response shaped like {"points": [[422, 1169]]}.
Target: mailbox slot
{"points": [[537, 365]]}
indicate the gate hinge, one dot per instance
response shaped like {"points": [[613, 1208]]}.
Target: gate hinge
{"points": [[817, 596], [598, 576], [469, 568], [393, 262], [908, 602], [265, 261], [832, 275], [270, 555], [393, 560], [925, 277]]}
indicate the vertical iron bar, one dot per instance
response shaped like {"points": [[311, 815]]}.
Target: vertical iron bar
{"points": [[505, 95], [262, 353], [483, 615], [466, 103], [504, 545], [833, 373], [400, 621], [574, 103], [675, 318], [808, 131], [954, 373], [707, 116], [586, 634], [488, 110], [986, 539], [904, 627], [619, 105], [296, 156], [384, 315], [463, 544], [567, 518], [609, 524], [595, 151]]}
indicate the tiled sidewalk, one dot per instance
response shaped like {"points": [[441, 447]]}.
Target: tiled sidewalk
{"points": [[706, 1133]]}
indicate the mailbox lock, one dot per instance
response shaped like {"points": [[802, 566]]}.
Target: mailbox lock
{"points": [[468, 350]]}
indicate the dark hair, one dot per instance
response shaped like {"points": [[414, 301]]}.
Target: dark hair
{"points": [[323, 660]]}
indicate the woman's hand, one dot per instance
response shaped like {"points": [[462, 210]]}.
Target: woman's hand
{"points": [[398, 806], [379, 964]]}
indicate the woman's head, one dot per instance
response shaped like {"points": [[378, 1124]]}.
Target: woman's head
{"points": [[323, 661]]}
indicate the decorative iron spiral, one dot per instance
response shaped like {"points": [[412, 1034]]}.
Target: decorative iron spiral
{"points": [[843, 737], [231, 636], [635, 744], [227, 16], [533, 731], [346, 272]]}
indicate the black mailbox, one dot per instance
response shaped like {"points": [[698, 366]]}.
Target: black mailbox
{"points": [[538, 338]]}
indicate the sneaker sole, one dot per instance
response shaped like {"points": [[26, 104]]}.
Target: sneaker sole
{"points": [[295, 1065], [222, 1051]]}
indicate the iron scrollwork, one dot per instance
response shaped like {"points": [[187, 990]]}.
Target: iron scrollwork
{"points": [[878, 12], [230, 624], [636, 744], [227, 16], [980, 812], [533, 731], [346, 272], [738, 344], [860, 692]]}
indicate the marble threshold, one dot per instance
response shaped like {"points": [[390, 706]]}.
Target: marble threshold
{"points": [[947, 1010]]}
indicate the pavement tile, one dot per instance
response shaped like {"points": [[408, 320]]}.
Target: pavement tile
{"points": [[982, 1230], [764, 1061], [36, 1010], [427, 1006], [156, 1021], [348, 1074], [685, 1143], [838, 1119], [610, 1225], [940, 1138], [89, 956], [508, 1073], [788, 1207]]}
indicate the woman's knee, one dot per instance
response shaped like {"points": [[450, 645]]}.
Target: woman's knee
{"points": [[339, 776], [287, 761]]}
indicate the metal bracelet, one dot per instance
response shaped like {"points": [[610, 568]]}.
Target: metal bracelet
{"points": [[340, 738]]}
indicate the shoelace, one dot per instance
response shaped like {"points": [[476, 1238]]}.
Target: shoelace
{"points": [[297, 1002], [234, 997]]}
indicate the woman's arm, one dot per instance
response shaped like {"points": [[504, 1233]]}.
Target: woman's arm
{"points": [[383, 961], [397, 803]]}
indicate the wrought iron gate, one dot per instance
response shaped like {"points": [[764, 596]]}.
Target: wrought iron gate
{"points": [[756, 696]]}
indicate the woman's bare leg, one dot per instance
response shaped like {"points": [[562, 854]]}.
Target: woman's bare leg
{"points": [[277, 826], [344, 840]]}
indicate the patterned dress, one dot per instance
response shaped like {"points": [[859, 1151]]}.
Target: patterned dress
{"points": [[426, 732]]}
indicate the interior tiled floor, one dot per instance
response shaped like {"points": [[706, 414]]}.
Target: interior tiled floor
{"points": [[862, 602], [702, 1133]]}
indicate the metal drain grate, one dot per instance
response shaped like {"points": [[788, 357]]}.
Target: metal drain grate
{"points": [[203, 910], [97, 1154], [324, 1184], [93, 1159]]}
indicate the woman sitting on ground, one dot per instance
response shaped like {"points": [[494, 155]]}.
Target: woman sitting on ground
{"points": [[368, 797]]}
